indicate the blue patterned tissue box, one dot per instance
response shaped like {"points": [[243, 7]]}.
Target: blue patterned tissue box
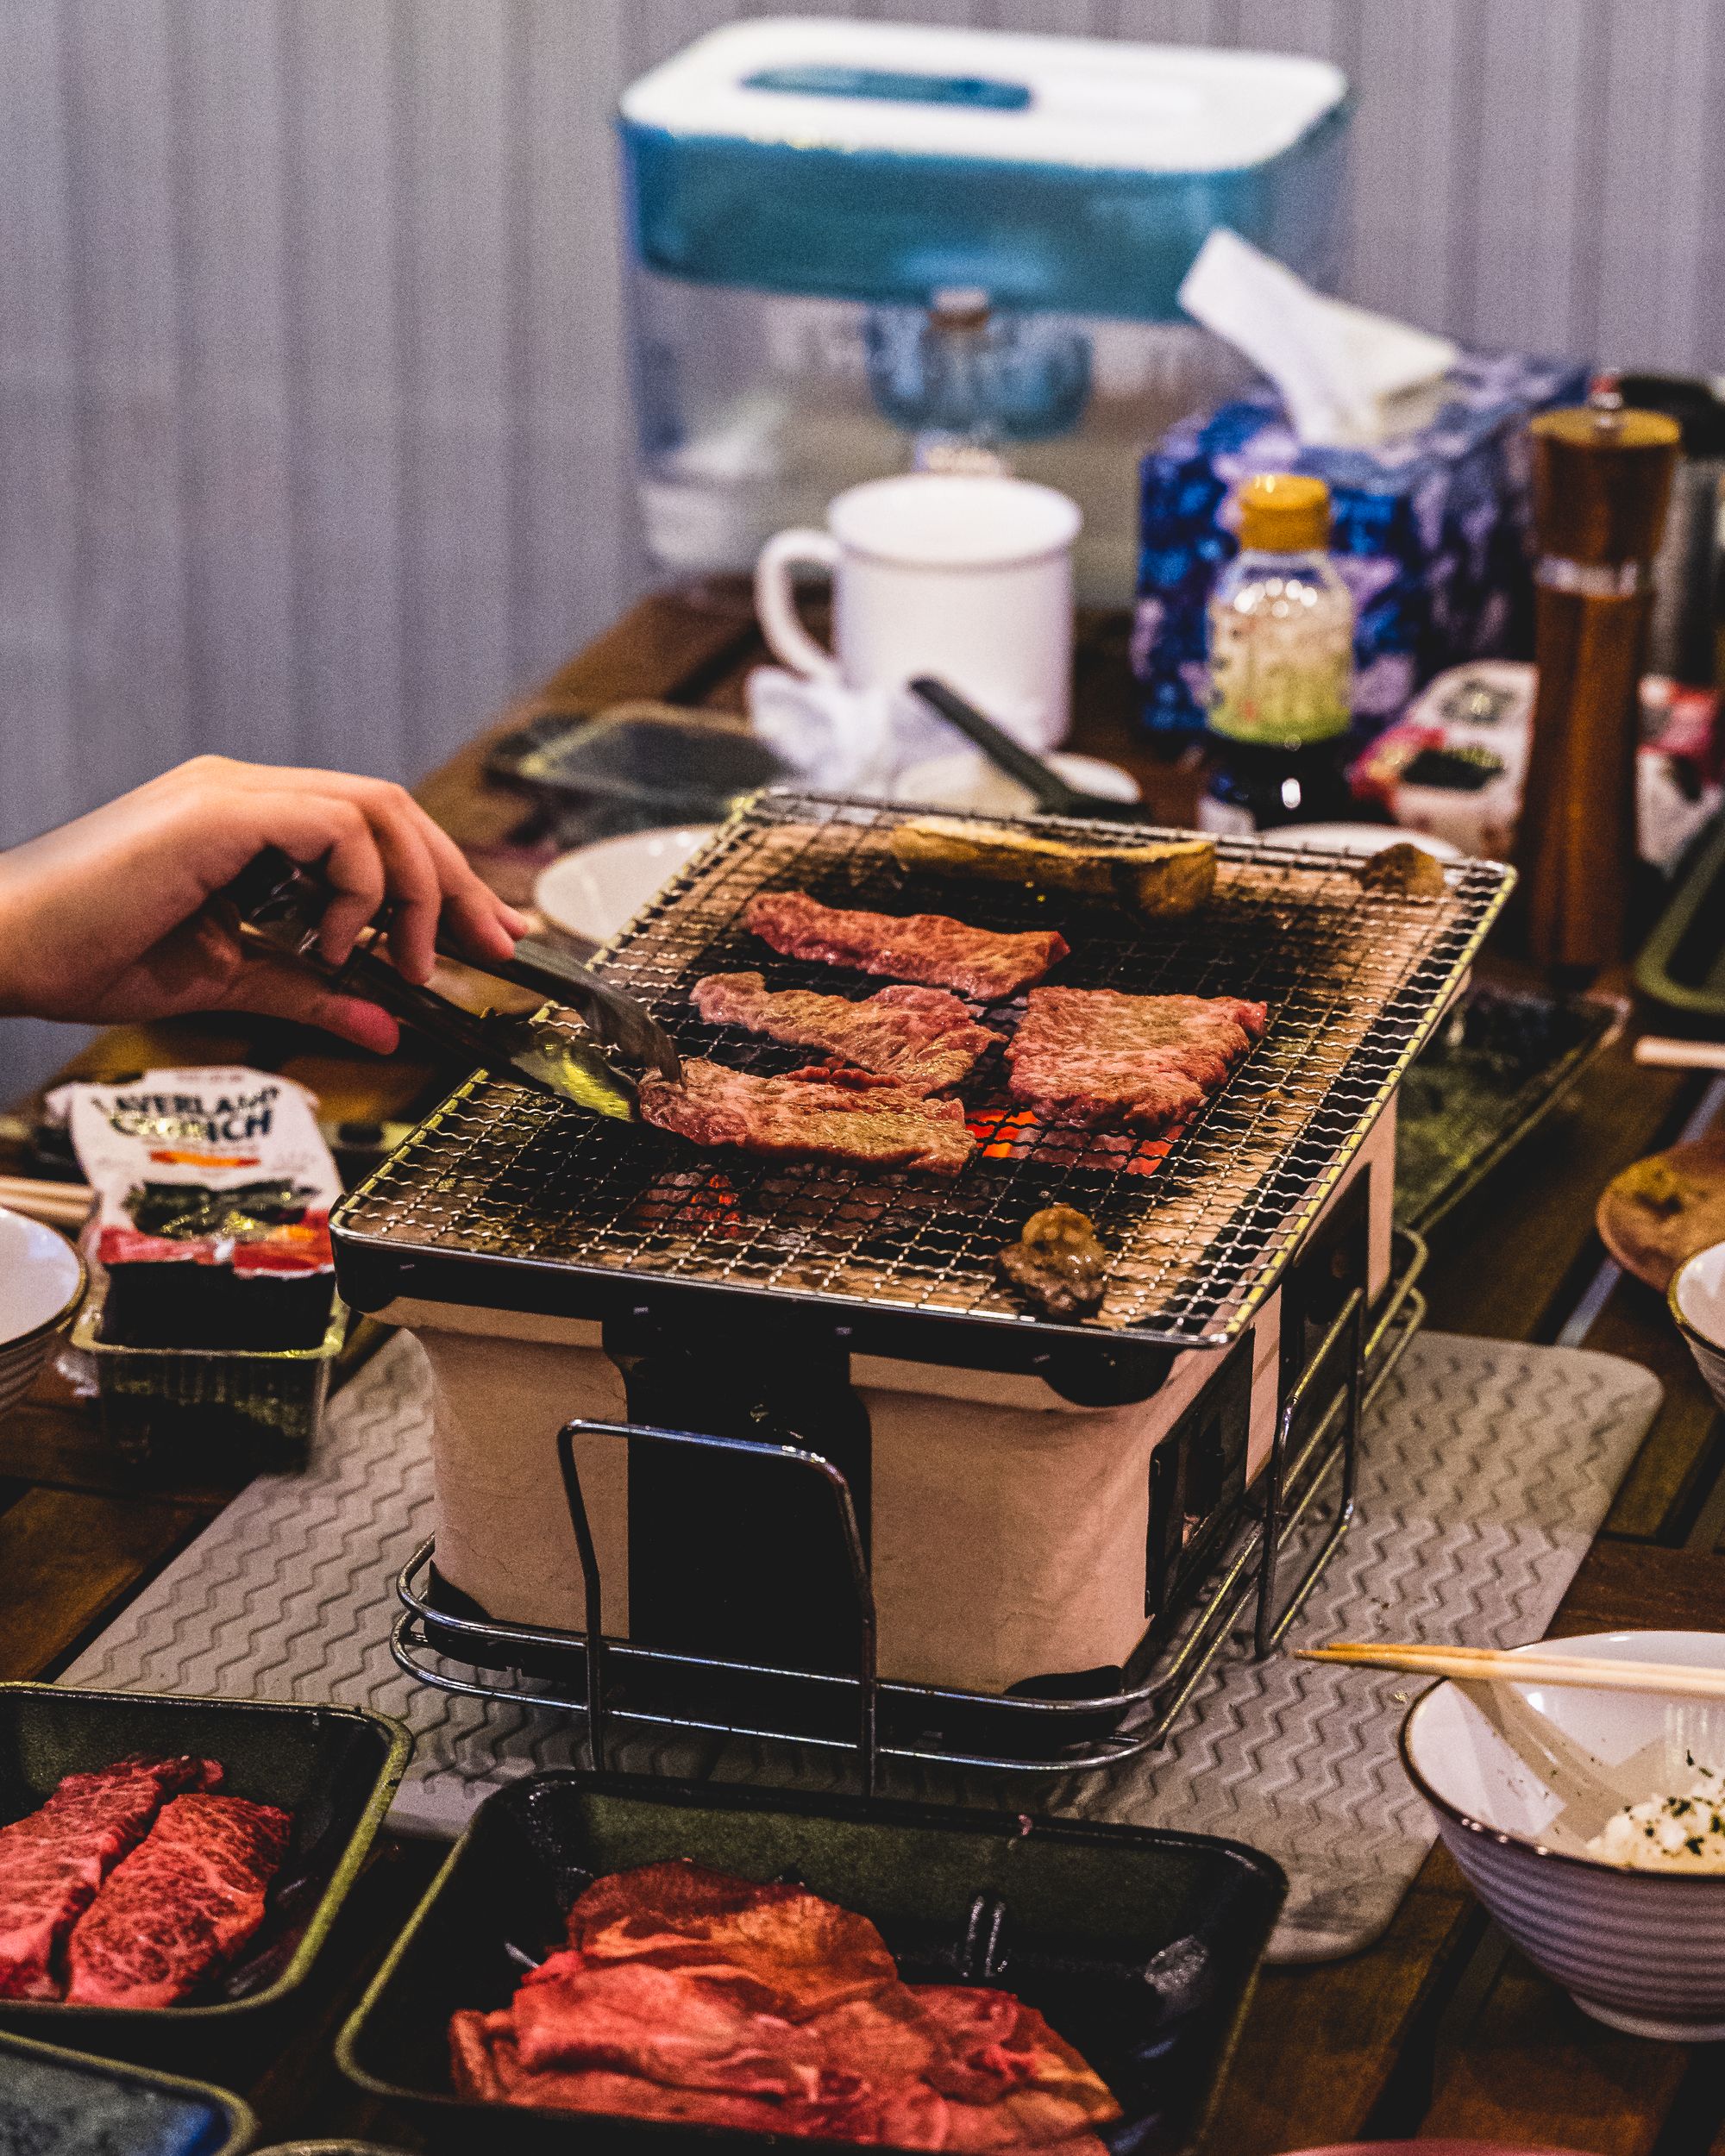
{"points": [[1431, 532]]}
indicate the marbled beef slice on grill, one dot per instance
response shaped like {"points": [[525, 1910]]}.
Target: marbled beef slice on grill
{"points": [[923, 1039], [847, 1117], [1094, 1057], [932, 948], [181, 1905], [53, 1862]]}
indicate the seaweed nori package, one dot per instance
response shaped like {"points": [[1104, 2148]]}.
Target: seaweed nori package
{"points": [[212, 1224]]}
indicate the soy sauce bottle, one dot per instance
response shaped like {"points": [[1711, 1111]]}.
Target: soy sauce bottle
{"points": [[1280, 623]]}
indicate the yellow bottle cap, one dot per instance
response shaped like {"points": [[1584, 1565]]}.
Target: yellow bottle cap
{"points": [[1284, 513]]}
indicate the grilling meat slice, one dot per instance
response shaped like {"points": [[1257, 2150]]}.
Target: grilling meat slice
{"points": [[932, 948], [180, 1906], [817, 1115], [1094, 1057], [923, 1039], [53, 1862]]}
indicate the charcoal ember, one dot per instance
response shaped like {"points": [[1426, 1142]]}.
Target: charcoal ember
{"points": [[1057, 1263]]}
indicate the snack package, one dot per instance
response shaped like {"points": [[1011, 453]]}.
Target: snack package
{"points": [[213, 1194], [1455, 765]]}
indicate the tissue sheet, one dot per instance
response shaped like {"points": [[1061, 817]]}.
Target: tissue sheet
{"points": [[1431, 533]]}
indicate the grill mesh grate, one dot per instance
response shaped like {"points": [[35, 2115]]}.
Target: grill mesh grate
{"points": [[1354, 981]]}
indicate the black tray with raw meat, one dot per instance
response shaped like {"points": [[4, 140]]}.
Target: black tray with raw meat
{"points": [[335, 1768], [1139, 1946]]}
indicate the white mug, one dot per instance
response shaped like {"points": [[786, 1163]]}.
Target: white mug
{"points": [[968, 577]]}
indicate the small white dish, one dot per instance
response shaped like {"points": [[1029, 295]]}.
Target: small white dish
{"points": [[970, 783], [1697, 1299], [598, 889], [1522, 1776], [1358, 838], [41, 1284]]}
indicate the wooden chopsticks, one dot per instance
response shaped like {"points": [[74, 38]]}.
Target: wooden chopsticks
{"points": [[1654, 1049], [57, 1205], [1489, 1665]]}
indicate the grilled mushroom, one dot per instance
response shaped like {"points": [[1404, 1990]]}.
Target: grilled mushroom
{"points": [[1406, 871], [1057, 1263]]}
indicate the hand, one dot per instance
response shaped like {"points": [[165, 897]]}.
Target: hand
{"points": [[115, 919]]}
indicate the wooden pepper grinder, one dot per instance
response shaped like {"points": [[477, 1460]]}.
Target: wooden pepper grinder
{"points": [[1602, 477]]}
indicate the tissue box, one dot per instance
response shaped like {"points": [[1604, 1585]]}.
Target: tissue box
{"points": [[1431, 532]]}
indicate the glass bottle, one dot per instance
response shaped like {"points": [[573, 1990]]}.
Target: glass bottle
{"points": [[1281, 623]]}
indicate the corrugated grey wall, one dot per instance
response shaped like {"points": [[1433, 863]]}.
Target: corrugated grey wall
{"points": [[313, 428]]}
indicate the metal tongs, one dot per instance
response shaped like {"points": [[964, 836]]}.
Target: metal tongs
{"points": [[281, 904]]}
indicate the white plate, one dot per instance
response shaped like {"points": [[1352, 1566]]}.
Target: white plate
{"points": [[596, 890], [966, 781], [1358, 838]]}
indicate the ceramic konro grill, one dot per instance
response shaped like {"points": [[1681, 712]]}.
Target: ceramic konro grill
{"points": [[778, 1443]]}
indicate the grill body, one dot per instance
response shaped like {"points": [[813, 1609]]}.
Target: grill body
{"points": [[1016, 1541]]}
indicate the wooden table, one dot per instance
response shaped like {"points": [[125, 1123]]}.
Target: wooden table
{"points": [[1440, 2030]]}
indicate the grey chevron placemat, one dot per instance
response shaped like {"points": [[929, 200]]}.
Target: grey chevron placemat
{"points": [[1486, 1470]]}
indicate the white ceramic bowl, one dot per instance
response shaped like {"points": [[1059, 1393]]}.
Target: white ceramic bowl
{"points": [[1697, 1298], [1358, 838], [1519, 1791], [41, 1284], [598, 889], [969, 781]]}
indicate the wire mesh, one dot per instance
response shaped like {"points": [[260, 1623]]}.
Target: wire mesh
{"points": [[1200, 1225]]}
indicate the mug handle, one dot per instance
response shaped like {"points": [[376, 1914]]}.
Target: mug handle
{"points": [[776, 604]]}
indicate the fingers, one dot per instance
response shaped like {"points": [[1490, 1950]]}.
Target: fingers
{"points": [[278, 989], [354, 864], [110, 914], [426, 876], [414, 886], [477, 916]]}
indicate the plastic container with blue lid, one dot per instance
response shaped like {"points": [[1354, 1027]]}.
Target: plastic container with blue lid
{"points": [[860, 246], [879, 161]]}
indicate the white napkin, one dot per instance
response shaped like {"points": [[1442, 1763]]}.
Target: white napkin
{"points": [[1349, 378], [849, 741]]}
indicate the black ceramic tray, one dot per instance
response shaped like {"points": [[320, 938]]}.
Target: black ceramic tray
{"points": [[336, 1768], [55, 2102], [1501, 1059], [1140, 1946]]}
